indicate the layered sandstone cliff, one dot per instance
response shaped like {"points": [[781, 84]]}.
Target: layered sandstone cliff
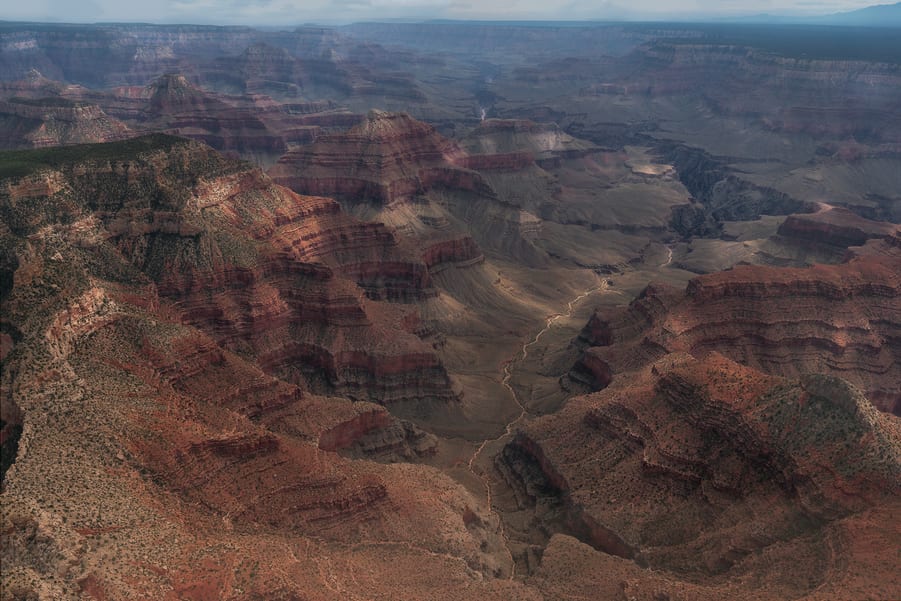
{"points": [[386, 159], [400, 171], [37, 123], [713, 475], [836, 226], [291, 279], [510, 144], [173, 104], [153, 442], [835, 319]]}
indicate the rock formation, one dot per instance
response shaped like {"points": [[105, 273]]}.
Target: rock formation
{"points": [[714, 475], [350, 376], [261, 269], [399, 171], [386, 159], [834, 319], [37, 123], [514, 144], [836, 226], [153, 284]]}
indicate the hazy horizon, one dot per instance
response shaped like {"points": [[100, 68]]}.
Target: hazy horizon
{"points": [[292, 12]]}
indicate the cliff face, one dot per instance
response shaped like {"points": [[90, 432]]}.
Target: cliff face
{"points": [[510, 143], [719, 194], [838, 319], [387, 158], [836, 226], [171, 103], [287, 278], [399, 171], [153, 284], [37, 123], [820, 97], [710, 471]]}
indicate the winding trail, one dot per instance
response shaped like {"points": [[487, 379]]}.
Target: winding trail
{"points": [[669, 257], [523, 412]]}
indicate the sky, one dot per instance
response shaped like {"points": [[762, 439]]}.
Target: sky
{"points": [[293, 12]]}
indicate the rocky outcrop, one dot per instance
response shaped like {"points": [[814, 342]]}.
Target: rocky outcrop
{"points": [[253, 478], [374, 434], [386, 159], [818, 95], [176, 106], [660, 465], [397, 170], [512, 143], [838, 319], [835, 226], [459, 252], [719, 194], [259, 268], [172, 93], [56, 122]]}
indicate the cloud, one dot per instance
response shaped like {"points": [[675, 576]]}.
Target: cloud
{"points": [[290, 12]]}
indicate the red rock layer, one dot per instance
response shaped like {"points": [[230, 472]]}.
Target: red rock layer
{"points": [[836, 226], [509, 161], [175, 105], [56, 122], [455, 252], [263, 270], [715, 474], [843, 320], [373, 433], [388, 158], [151, 457]]}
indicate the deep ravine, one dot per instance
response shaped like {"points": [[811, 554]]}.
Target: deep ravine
{"points": [[523, 411]]}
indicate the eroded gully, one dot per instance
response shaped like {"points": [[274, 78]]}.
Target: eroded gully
{"points": [[509, 365]]}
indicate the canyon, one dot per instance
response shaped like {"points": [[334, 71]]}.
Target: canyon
{"points": [[450, 311]]}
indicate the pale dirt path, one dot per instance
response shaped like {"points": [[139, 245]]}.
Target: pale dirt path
{"points": [[669, 258], [523, 412]]}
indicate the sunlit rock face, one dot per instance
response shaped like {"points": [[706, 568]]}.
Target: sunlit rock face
{"points": [[836, 319]]}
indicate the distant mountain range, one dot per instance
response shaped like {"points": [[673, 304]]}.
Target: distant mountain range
{"points": [[878, 15], [881, 15]]}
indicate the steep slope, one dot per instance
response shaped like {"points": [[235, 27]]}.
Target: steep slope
{"points": [[386, 159], [145, 283], [290, 279], [397, 170], [714, 476], [37, 123], [173, 104], [835, 319]]}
